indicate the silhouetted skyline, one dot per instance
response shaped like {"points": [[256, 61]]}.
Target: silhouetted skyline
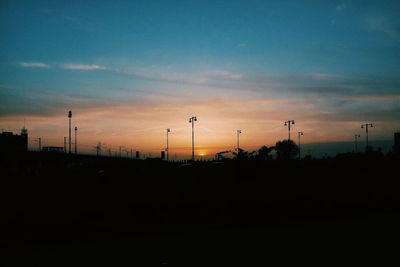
{"points": [[130, 70]]}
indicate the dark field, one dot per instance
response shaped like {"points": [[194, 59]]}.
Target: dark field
{"points": [[60, 209]]}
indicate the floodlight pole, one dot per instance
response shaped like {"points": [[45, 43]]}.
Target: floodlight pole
{"points": [[287, 123], [300, 134], [366, 131], [76, 144], [167, 149], [69, 132], [192, 120], [238, 133]]}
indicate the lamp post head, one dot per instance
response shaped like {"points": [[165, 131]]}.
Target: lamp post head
{"points": [[285, 123], [76, 128], [371, 125], [239, 131], [168, 130], [70, 114], [292, 121]]}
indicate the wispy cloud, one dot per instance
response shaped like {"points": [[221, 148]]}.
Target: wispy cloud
{"points": [[33, 65], [341, 6], [82, 67], [383, 25]]}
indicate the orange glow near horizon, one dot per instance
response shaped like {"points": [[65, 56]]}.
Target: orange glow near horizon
{"points": [[144, 128]]}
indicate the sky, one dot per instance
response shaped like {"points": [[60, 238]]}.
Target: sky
{"points": [[129, 70]]}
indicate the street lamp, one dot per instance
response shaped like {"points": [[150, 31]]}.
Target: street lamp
{"points": [[366, 126], [69, 136], [167, 149], [355, 141], [192, 120], [299, 134], [238, 132], [288, 123]]}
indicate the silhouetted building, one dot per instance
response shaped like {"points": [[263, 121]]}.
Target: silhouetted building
{"points": [[58, 149], [10, 142], [397, 142], [137, 154]]}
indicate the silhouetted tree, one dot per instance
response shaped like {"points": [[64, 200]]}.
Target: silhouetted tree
{"points": [[263, 153], [241, 154], [286, 149]]}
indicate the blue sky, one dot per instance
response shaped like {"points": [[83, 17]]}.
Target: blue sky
{"points": [[314, 61]]}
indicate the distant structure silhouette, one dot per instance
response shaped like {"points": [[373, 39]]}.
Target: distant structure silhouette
{"points": [[219, 155], [10, 142], [57, 149], [396, 148]]}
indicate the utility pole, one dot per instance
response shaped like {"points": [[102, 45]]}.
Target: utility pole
{"points": [[366, 131], [355, 141], [192, 120], [65, 144], [39, 139], [299, 134], [98, 149], [76, 144], [238, 132], [167, 149], [69, 132], [287, 123]]}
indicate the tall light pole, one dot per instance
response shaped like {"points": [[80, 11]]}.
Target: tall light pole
{"points": [[288, 123], [355, 141], [76, 144], [192, 120], [366, 131], [238, 133], [167, 149], [299, 134], [69, 132]]}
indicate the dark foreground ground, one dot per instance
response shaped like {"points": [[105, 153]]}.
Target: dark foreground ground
{"points": [[58, 209]]}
